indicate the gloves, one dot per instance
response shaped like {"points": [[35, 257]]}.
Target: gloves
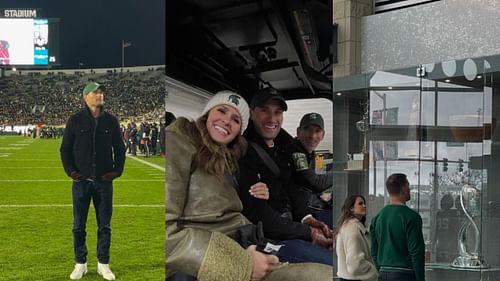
{"points": [[76, 176], [109, 176], [319, 239], [321, 226]]}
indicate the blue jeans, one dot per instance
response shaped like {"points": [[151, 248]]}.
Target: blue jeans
{"points": [[101, 194], [297, 251], [396, 276]]}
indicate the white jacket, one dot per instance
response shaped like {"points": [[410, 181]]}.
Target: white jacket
{"points": [[354, 261]]}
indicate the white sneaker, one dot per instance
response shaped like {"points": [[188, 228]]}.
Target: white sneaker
{"points": [[79, 271], [103, 269]]}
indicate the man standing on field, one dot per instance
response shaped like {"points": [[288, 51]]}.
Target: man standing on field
{"points": [[93, 154]]}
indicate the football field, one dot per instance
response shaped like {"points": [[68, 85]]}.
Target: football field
{"points": [[36, 216]]}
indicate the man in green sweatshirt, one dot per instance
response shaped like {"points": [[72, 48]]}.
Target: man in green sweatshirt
{"points": [[398, 247]]}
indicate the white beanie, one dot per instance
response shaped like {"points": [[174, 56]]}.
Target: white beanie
{"points": [[231, 99]]}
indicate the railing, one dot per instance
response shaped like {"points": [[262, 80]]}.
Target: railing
{"points": [[381, 6]]}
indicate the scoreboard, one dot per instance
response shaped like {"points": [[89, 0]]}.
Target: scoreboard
{"points": [[26, 39]]}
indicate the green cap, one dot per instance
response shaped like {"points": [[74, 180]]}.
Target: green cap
{"points": [[92, 87], [263, 96], [312, 119]]}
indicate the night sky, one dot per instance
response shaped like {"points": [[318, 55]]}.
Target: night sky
{"points": [[91, 31]]}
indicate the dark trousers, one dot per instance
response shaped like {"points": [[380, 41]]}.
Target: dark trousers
{"points": [[101, 194], [396, 276], [325, 216], [297, 251]]}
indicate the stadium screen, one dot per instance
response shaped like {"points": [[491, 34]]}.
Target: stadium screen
{"points": [[26, 42]]}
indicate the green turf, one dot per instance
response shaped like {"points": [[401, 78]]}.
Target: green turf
{"points": [[36, 216]]}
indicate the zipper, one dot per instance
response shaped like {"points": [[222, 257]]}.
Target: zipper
{"points": [[96, 121]]}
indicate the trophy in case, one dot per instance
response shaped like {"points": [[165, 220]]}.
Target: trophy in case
{"points": [[470, 197]]}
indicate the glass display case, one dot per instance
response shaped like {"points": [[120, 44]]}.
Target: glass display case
{"points": [[437, 124]]}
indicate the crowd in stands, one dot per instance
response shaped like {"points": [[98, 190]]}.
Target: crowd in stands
{"points": [[51, 98]]}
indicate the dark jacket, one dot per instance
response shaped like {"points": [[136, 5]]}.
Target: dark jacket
{"points": [[284, 196], [304, 168], [92, 146]]}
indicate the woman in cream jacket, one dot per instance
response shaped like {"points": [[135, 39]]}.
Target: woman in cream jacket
{"points": [[352, 242]]}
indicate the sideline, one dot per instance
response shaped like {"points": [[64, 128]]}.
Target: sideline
{"points": [[70, 205]]}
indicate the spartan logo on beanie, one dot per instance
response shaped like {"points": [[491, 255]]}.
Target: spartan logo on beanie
{"points": [[234, 99]]}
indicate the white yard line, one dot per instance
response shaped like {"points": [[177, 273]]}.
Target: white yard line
{"points": [[70, 205], [147, 163], [67, 180], [36, 159], [24, 167]]}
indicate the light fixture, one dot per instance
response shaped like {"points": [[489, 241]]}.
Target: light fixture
{"points": [[479, 76], [390, 87], [447, 80], [339, 94]]}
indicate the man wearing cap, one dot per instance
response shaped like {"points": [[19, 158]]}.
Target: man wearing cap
{"points": [[93, 154], [310, 133], [285, 216]]}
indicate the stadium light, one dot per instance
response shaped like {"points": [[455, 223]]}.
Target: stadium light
{"points": [[124, 45]]}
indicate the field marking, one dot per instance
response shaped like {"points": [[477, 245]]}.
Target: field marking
{"points": [[19, 144], [70, 205], [158, 167], [68, 180], [25, 167], [36, 159], [10, 148]]}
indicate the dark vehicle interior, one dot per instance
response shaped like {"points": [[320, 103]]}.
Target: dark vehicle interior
{"points": [[244, 45]]}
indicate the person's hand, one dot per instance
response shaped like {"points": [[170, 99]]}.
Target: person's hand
{"points": [[314, 223], [76, 176], [259, 191], [319, 239], [109, 176], [262, 263], [326, 196]]}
